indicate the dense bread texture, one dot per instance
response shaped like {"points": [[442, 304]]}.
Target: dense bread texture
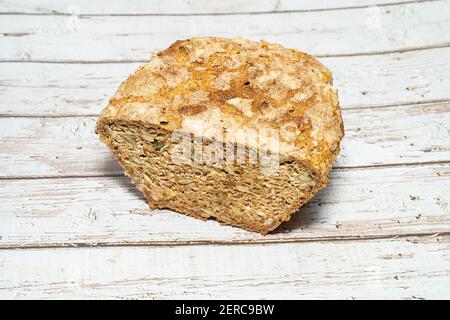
{"points": [[241, 131]]}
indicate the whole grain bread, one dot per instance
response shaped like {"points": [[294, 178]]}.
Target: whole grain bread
{"points": [[241, 131]]}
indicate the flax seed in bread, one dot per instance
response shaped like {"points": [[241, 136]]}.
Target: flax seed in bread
{"points": [[241, 131]]}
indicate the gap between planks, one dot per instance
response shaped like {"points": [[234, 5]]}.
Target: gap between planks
{"points": [[338, 55], [183, 243], [59, 13], [337, 168]]}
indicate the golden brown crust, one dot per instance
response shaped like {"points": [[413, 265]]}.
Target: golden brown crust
{"points": [[233, 84]]}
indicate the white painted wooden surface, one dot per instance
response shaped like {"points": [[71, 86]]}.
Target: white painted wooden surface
{"points": [[181, 7], [380, 230], [323, 33], [406, 268]]}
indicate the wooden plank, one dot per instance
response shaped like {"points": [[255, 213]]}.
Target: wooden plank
{"points": [[53, 147], [119, 38], [183, 7], [412, 268], [363, 81], [400, 135], [364, 203]]}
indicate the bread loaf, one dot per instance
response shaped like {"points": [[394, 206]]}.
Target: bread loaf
{"points": [[241, 131]]}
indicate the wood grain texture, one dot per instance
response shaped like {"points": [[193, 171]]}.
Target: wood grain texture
{"points": [[412, 268], [54, 147], [363, 81], [117, 38], [365, 203], [181, 7]]}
